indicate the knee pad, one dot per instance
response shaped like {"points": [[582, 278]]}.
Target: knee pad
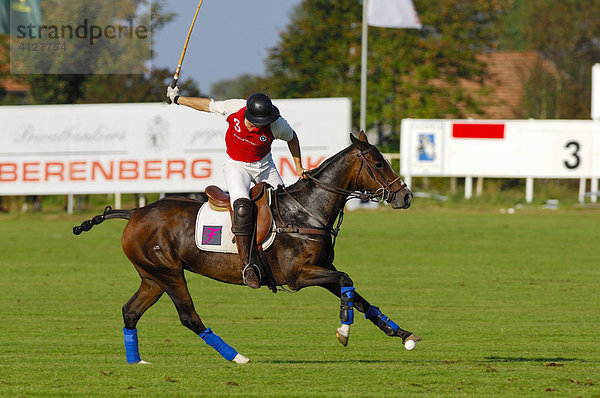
{"points": [[243, 211]]}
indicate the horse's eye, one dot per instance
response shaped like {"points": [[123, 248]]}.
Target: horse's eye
{"points": [[379, 165]]}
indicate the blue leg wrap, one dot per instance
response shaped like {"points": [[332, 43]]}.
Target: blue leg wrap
{"points": [[218, 344], [374, 314], [131, 345], [347, 305]]}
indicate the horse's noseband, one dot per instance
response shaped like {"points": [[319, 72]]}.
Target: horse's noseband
{"points": [[385, 192]]}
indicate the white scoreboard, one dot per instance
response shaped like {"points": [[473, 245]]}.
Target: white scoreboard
{"points": [[500, 148]]}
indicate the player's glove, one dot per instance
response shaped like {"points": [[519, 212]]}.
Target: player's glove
{"points": [[173, 94]]}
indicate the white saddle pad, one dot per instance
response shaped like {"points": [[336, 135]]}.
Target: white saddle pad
{"points": [[213, 231]]}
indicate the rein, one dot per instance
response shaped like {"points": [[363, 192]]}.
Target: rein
{"points": [[289, 229], [385, 192]]}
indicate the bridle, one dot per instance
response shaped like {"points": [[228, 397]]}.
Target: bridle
{"points": [[385, 192]]}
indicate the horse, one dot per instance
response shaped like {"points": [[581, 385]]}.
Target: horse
{"points": [[159, 240]]}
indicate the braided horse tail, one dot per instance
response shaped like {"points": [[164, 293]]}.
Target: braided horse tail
{"points": [[107, 215]]}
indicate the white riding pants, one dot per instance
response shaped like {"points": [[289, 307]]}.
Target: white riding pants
{"points": [[240, 176]]}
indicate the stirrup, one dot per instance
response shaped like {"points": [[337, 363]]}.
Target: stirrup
{"points": [[257, 270]]}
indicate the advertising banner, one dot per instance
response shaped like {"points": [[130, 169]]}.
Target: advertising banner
{"points": [[143, 148]]}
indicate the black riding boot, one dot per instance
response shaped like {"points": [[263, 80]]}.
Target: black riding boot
{"points": [[243, 228]]}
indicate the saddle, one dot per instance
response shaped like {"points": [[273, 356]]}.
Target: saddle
{"points": [[219, 201]]}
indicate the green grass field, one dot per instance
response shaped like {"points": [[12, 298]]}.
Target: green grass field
{"points": [[507, 305]]}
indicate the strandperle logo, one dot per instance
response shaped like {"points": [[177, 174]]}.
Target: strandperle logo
{"points": [[92, 33], [83, 37]]}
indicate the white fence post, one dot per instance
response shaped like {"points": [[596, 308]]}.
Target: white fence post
{"points": [[408, 181], [70, 204], [595, 116], [529, 189], [479, 187], [595, 92], [582, 183], [468, 187]]}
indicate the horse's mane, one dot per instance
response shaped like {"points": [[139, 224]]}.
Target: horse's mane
{"points": [[301, 183]]}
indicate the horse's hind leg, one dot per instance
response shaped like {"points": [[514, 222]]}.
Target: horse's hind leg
{"points": [[176, 288], [148, 293], [384, 323]]}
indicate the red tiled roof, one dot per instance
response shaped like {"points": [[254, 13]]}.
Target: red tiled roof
{"points": [[11, 85], [509, 73], [8, 83]]}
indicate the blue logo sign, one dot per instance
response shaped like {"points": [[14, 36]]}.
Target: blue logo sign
{"points": [[426, 148]]}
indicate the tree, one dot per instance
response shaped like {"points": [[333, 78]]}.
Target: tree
{"points": [[412, 73], [319, 53], [567, 33], [4, 64], [67, 88], [132, 88], [239, 87]]}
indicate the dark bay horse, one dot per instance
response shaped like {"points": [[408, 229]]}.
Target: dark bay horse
{"points": [[159, 241]]}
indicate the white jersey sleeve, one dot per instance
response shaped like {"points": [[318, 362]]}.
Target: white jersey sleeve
{"points": [[282, 130], [226, 108]]}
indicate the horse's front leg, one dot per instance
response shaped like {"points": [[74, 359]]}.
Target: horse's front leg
{"points": [[384, 323], [343, 285]]}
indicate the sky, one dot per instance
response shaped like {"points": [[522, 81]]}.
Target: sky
{"points": [[230, 37]]}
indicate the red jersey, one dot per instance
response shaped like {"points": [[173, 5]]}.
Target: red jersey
{"points": [[244, 145]]}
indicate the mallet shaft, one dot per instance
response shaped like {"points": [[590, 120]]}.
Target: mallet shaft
{"points": [[187, 40]]}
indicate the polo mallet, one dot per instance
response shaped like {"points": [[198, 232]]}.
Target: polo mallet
{"points": [[187, 40]]}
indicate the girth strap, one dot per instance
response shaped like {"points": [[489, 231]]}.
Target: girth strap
{"points": [[309, 231]]}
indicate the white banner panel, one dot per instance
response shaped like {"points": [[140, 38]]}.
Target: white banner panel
{"points": [[141, 148], [501, 148]]}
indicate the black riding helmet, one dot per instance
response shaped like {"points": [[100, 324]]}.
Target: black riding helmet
{"points": [[260, 110]]}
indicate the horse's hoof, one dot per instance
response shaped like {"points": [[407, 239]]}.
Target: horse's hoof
{"points": [[343, 334], [239, 358], [411, 341]]}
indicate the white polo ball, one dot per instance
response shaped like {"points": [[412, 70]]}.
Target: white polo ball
{"points": [[409, 345]]}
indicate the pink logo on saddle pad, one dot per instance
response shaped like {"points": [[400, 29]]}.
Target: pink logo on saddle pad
{"points": [[211, 235]]}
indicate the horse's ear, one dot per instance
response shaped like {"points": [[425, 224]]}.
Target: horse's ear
{"points": [[363, 137]]}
